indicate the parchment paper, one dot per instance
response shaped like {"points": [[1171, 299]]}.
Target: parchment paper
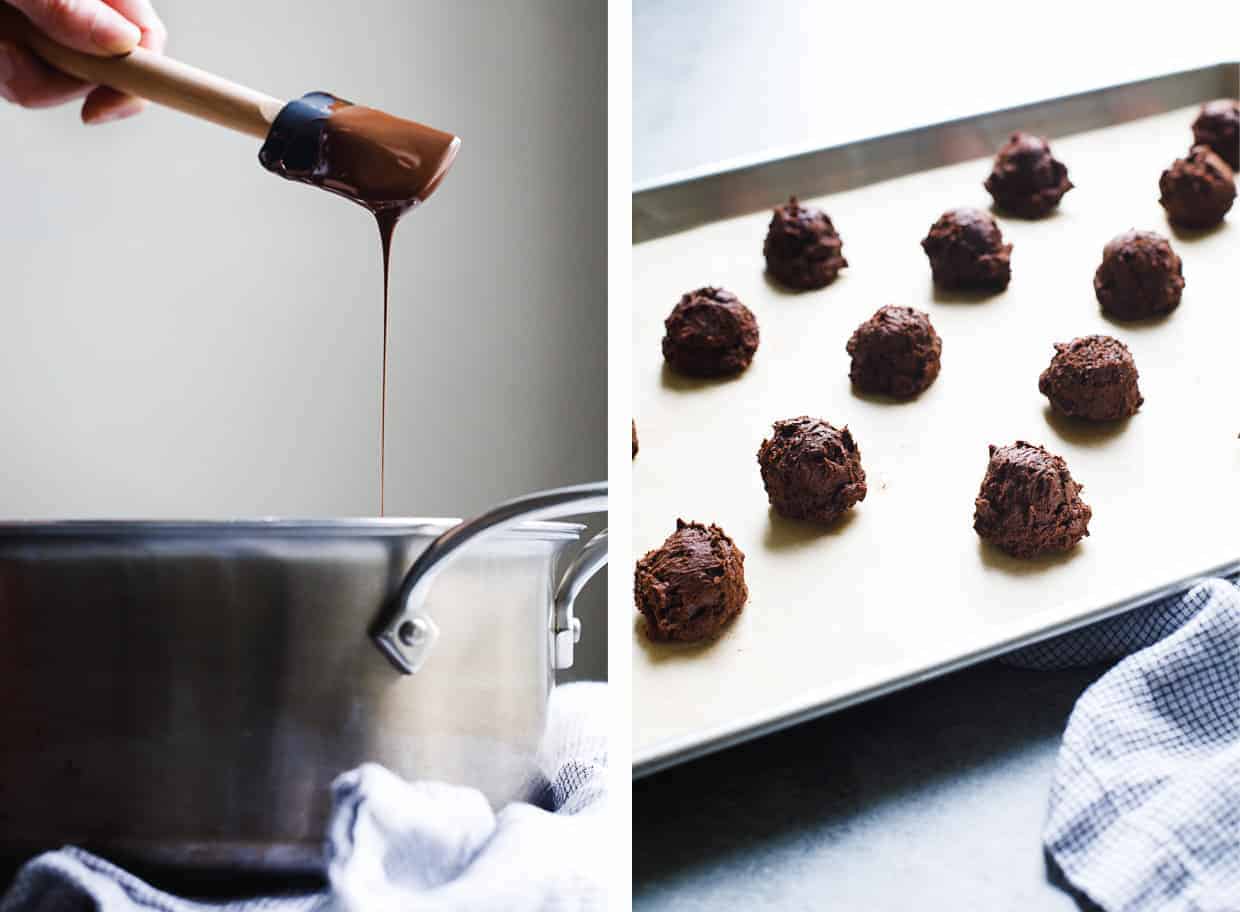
{"points": [[903, 584]]}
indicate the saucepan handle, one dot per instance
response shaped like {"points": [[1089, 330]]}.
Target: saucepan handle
{"points": [[405, 633], [567, 630]]}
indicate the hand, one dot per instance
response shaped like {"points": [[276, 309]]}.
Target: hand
{"points": [[103, 27]]}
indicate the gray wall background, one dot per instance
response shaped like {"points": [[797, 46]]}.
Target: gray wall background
{"points": [[182, 334]]}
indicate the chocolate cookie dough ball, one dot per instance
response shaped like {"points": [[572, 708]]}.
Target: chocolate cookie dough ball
{"points": [[895, 353], [1094, 378], [634, 439], [1218, 126], [802, 249], [1140, 277], [693, 585], [811, 470], [1029, 504], [710, 333], [966, 251], [1197, 191], [1026, 179]]}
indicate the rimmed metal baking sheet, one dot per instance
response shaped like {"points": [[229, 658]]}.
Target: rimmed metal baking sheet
{"points": [[902, 591]]}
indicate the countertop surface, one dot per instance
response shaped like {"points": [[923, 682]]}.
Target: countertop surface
{"points": [[727, 80], [938, 793]]}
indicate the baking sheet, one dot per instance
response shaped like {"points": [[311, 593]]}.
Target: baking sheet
{"points": [[902, 589]]}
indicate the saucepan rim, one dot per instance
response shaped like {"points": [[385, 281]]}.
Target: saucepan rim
{"points": [[271, 526]]}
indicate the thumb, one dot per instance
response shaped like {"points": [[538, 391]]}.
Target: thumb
{"points": [[90, 26]]}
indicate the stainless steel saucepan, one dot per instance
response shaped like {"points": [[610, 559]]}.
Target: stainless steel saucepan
{"points": [[184, 693]]}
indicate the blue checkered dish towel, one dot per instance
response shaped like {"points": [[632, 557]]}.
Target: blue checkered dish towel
{"points": [[394, 845], [1145, 804]]}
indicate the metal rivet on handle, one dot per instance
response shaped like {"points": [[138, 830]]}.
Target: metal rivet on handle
{"points": [[413, 632]]}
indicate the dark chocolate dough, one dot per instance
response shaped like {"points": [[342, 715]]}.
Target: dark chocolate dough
{"points": [[802, 249], [1029, 504], [1218, 126], [1026, 179], [966, 251], [1093, 377], [1140, 276], [710, 333], [634, 439], [895, 353], [811, 470], [693, 585], [1197, 191]]}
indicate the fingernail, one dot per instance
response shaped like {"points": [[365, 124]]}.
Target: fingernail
{"points": [[119, 112], [113, 33], [7, 69]]}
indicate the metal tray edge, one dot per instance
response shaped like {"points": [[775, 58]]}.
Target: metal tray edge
{"points": [[673, 753], [726, 189]]}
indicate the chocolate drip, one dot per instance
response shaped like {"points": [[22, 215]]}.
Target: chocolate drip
{"points": [[384, 163], [387, 225]]}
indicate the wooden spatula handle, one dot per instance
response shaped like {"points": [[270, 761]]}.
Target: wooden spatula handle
{"points": [[161, 79]]}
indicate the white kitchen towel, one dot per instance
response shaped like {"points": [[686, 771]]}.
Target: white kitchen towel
{"points": [[1145, 804], [396, 845]]}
